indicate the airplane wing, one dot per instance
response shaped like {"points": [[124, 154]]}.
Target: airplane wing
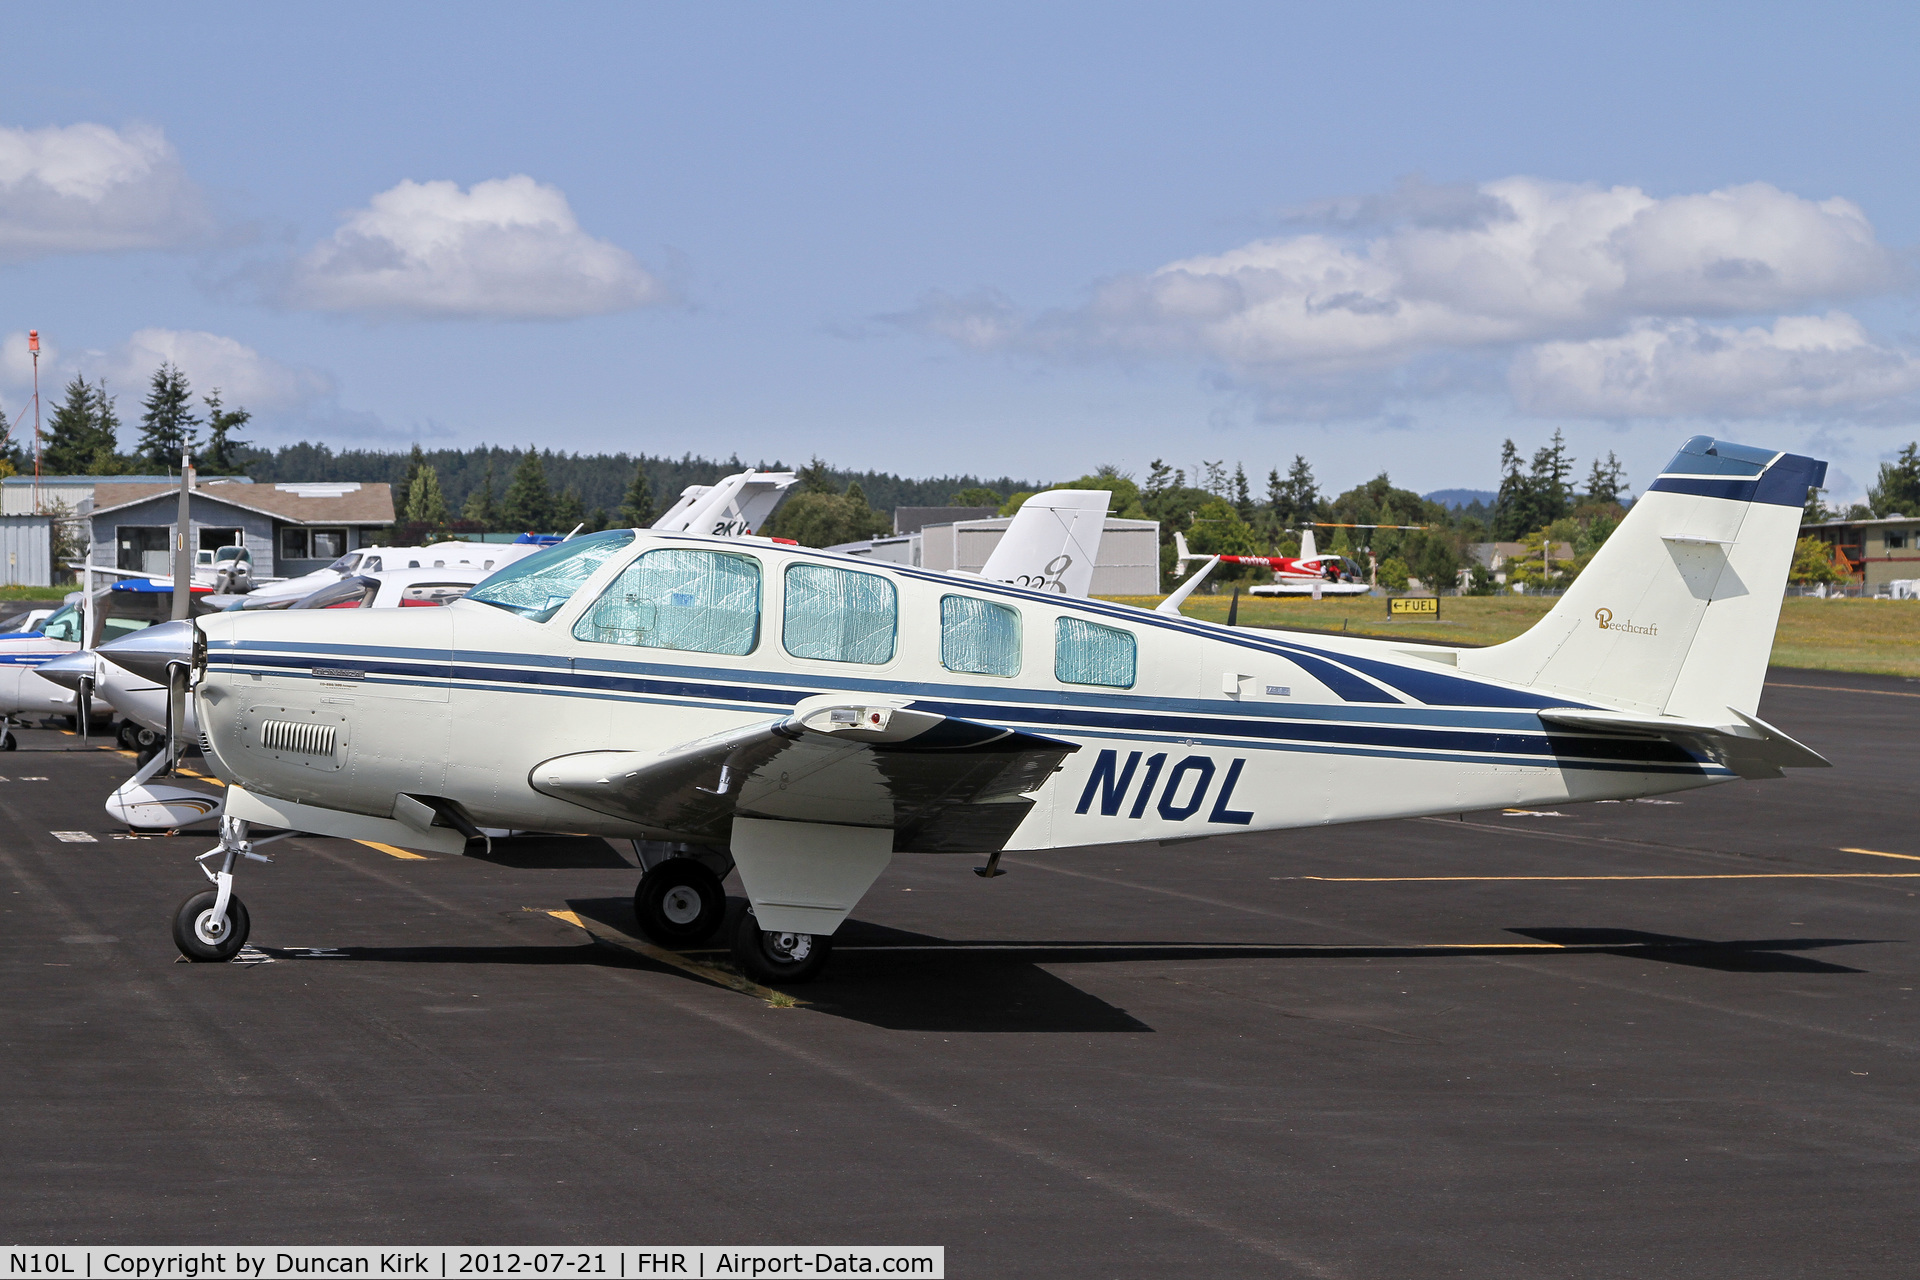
{"points": [[943, 785], [1753, 748]]}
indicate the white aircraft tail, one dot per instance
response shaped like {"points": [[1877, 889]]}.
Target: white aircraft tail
{"points": [[1308, 547], [1676, 613], [736, 506], [1053, 542]]}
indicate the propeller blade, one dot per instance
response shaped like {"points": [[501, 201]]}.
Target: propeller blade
{"points": [[83, 708]]}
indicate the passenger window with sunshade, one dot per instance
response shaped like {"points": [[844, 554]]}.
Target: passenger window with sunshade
{"points": [[696, 601], [839, 616], [979, 637], [1087, 653]]}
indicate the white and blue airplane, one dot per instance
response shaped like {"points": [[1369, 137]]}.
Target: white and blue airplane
{"points": [[805, 717]]}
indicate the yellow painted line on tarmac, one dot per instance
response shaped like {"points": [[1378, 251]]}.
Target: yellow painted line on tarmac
{"points": [[705, 972], [392, 851], [204, 777], [1841, 688], [1880, 853], [1749, 875]]}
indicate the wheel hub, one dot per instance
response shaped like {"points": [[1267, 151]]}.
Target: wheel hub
{"points": [[681, 904], [209, 930], [792, 947]]}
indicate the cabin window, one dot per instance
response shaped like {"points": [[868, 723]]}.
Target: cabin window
{"points": [[839, 616], [536, 587], [979, 637], [1086, 653], [696, 601]]}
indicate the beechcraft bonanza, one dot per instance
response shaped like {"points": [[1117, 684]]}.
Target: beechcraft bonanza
{"points": [[805, 717]]}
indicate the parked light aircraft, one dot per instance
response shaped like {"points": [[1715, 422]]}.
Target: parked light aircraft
{"points": [[125, 607], [805, 717], [1330, 575], [147, 805]]}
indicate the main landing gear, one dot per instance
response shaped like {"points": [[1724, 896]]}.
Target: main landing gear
{"points": [[211, 925], [773, 956], [680, 902]]}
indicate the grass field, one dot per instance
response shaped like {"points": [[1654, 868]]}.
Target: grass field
{"points": [[1875, 637]]}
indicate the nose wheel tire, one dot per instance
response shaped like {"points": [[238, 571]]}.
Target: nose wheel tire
{"points": [[135, 737], [9, 743], [200, 937], [679, 903], [777, 957]]}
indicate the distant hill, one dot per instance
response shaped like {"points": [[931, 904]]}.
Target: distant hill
{"points": [[1462, 497]]}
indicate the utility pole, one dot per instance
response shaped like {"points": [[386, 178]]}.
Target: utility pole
{"points": [[182, 557], [33, 346]]}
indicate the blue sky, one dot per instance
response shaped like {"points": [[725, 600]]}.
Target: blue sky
{"points": [[993, 238]]}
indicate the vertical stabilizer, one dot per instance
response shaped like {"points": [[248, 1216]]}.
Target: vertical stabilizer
{"points": [[1308, 547], [1053, 542], [736, 506], [1676, 613]]}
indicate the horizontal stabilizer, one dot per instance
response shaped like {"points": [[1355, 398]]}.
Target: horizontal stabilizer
{"points": [[1752, 748], [942, 784]]}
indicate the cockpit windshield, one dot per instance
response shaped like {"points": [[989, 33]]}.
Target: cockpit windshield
{"points": [[536, 587], [346, 563], [64, 625]]}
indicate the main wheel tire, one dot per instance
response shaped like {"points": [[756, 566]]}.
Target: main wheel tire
{"points": [[779, 957], [9, 743], [193, 930], [680, 903]]}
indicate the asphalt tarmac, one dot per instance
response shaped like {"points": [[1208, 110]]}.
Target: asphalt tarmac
{"points": [[1641, 1039]]}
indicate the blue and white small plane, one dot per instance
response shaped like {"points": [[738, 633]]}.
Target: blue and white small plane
{"points": [[805, 717]]}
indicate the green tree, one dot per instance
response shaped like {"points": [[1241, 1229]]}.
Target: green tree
{"points": [[1216, 529], [1898, 491], [107, 458], [1393, 574], [815, 477], [528, 505], [71, 438], [636, 508], [1607, 482], [1242, 497], [167, 424], [426, 504], [415, 461], [221, 457], [976, 497], [569, 512], [480, 508], [596, 520], [818, 519], [1296, 498], [1813, 563]]}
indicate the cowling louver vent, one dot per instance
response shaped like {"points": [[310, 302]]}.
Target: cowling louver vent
{"points": [[298, 738]]}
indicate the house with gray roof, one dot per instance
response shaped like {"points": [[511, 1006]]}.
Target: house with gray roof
{"points": [[289, 529]]}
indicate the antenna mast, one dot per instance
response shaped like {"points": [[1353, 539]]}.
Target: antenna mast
{"points": [[33, 346]]}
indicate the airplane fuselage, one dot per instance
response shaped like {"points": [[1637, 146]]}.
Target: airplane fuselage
{"points": [[1192, 730]]}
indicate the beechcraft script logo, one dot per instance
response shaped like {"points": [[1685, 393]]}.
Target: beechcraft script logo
{"points": [[1605, 618]]}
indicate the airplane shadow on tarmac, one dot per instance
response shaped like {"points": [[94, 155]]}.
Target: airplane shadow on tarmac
{"points": [[550, 853], [903, 981]]}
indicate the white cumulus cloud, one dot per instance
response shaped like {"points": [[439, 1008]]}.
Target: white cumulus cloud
{"points": [[86, 188], [1801, 365], [1392, 288], [243, 376], [509, 248]]}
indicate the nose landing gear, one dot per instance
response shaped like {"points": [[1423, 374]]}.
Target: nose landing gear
{"points": [[212, 925]]}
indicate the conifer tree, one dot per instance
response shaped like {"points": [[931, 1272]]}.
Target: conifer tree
{"points": [[569, 512], [479, 507], [106, 459], [636, 509], [68, 445], [167, 425], [426, 504], [415, 461], [221, 458], [528, 505]]}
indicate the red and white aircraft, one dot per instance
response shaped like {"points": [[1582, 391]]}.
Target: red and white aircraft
{"points": [[1293, 575]]}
